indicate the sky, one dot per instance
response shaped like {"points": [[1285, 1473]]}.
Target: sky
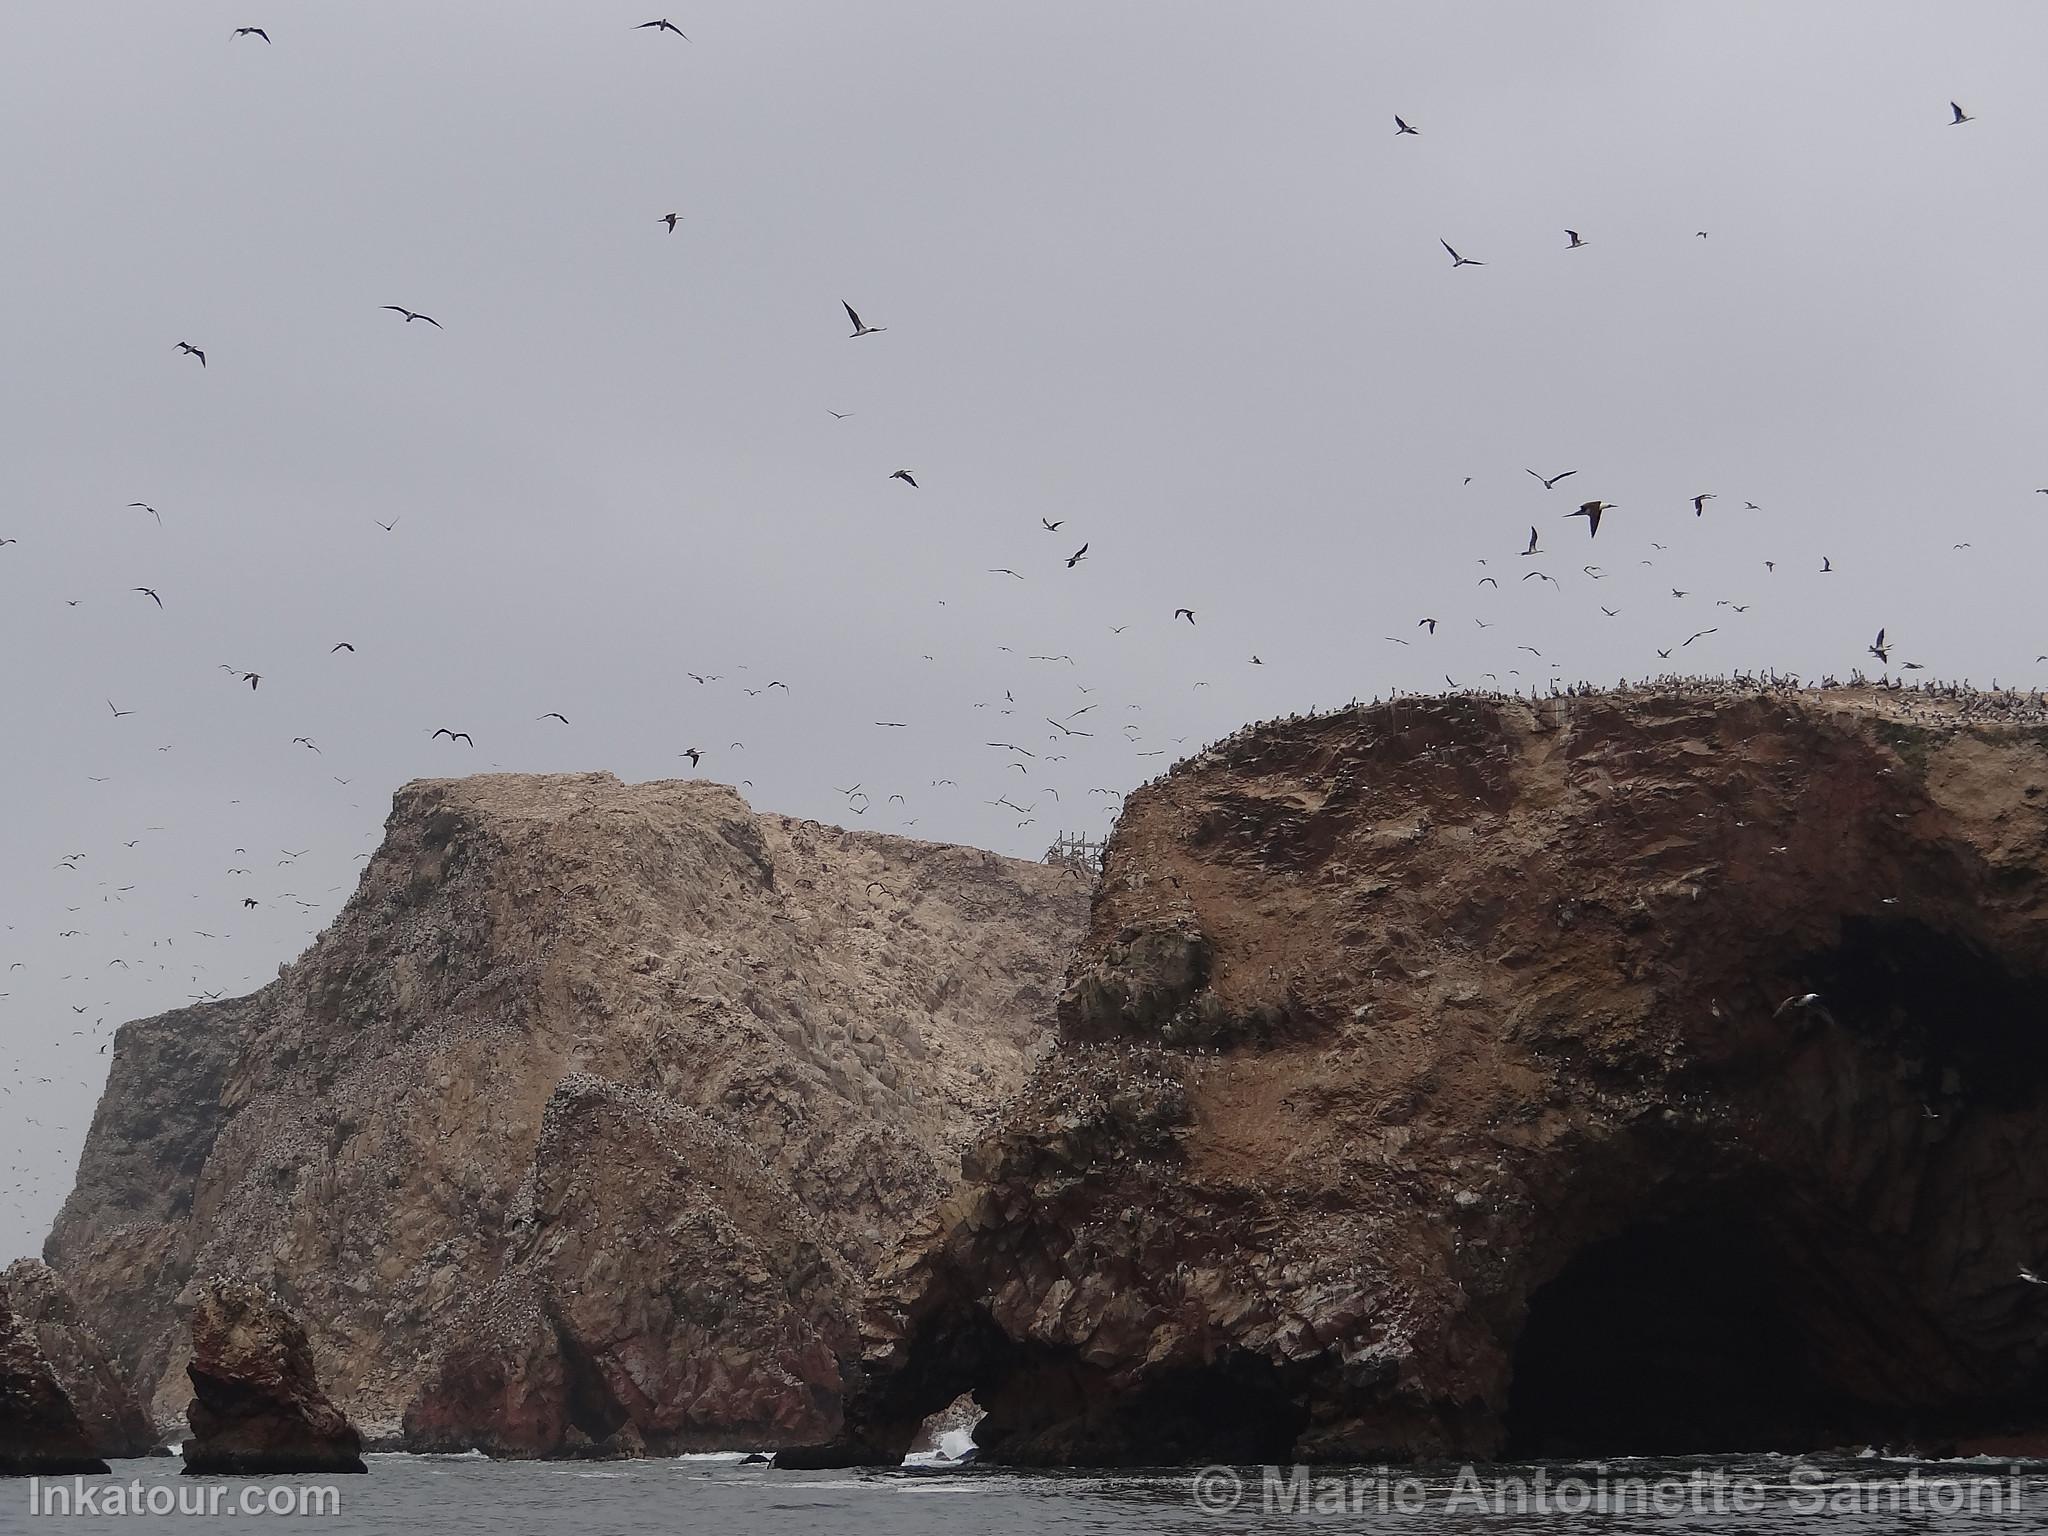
{"points": [[1161, 272]]}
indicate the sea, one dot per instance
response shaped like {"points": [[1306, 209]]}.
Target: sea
{"points": [[459, 1495]]}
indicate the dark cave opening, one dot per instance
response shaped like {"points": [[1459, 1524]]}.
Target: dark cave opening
{"points": [[1690, 1335], [1972, 1026]]}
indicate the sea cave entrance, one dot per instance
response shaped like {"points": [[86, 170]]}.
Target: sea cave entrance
{"points": [[1693, 1334]]}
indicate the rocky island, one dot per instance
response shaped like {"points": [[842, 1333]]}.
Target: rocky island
{"points": [[578, 1129], [1659, 1071]]}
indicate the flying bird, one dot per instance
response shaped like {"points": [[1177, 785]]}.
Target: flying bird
{"points": [[663, 25], [1699, 503], [694, 755], [1577, 243], [1075, 558], [1401, 127], [1550, 480], [1700, 635], [1052, 527], [1591, 511], [1531, 550], [252, 679], [1880, 650], [670, 220], [860, 330], [1960, 117], [344, 646], [905, 476], [119, 713], [1185, 613], [151, 595], [189, 350], [412, 315], [387, 527], [553, 715], [1429, 624], [453, 736], [1458, 261], [252, 32], [152, 511]]}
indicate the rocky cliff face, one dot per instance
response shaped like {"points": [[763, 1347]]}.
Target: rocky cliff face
{"points": [[1664, 1071], [98, 1389], [578, 1067]]}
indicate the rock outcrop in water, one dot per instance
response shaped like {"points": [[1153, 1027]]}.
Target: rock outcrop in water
{"points": [[99, 1392], [257, 1408], [1664, 1071], [580, 1125], [40, 1431]]}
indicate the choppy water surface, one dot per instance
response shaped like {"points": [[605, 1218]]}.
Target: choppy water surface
{"points": [[1753, 1496]]}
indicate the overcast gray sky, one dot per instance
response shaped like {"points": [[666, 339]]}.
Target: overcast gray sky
{"points": [[1162, 272]]}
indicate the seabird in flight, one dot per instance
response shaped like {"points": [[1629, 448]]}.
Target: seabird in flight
{"points": [[412, 315], [1457, 260], [859, 329]]}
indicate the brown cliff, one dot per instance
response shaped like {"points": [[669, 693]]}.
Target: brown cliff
{"points": [[427, 1136], [98, 1389], [40, 1432], [1442, 1078]]}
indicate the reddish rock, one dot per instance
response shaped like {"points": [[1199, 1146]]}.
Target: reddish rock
{"points": [[256, 1407], [40, 1431], [1655, 1072], [727, 1334], [98, 1389]]}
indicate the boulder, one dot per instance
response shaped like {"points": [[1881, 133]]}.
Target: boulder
{"points": [[256, 1407]]}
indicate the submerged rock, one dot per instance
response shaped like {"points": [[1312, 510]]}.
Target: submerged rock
{"points": [[1651, 1072], [257, 1408], [40, 1432], [99, 1392]]}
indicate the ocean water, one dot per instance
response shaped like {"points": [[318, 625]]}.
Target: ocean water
{"points": [[454, 1495]]}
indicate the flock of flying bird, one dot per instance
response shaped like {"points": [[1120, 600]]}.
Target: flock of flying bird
{"points": [[1028, 755]]}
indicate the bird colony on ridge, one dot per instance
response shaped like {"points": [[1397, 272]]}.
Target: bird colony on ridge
{"points": [[1045, 724]]}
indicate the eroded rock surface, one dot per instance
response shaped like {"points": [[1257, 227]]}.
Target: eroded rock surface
{"points": [[98, 1389], [257, 1407], [405, 1136], [1441, 1078], [40, 1432]]}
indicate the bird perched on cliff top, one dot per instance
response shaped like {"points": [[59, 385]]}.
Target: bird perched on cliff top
{"points": [[189, 350], [1590, 511], [1960, 117], [1457, 260], [663, 25], [860, 330], [906, 477], [412, 315]]}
